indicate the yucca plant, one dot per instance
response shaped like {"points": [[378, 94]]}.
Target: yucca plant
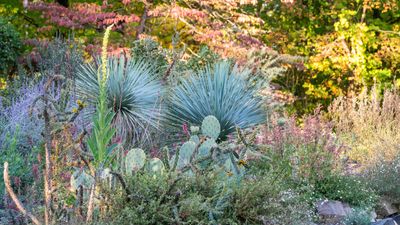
{"points": [[133, 94], [221, 90]]}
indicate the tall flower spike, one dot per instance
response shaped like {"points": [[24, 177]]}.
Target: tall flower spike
{"points": [[104, 57]]}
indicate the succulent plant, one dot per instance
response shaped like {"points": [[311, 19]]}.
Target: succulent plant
{"points": [[133, 93], [195, 139], [134, 160], [80, 178], [210, 127], [205, 148], [221, 91], [185, 153], [156, 166]]}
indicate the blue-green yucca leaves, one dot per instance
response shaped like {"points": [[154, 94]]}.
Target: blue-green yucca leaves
{"points": [[133, 94], [221, 91]]}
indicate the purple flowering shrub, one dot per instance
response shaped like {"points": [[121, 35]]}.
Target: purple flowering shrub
{"points": [[25, 114], [18, 115]]}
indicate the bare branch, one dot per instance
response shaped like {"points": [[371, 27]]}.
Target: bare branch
{"points": [[14, 197]]}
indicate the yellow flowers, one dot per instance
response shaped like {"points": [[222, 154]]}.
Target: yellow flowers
{"points": [[103, 79], [80, 104], [242, 162]]}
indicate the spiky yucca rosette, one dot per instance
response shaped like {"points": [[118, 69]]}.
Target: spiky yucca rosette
{"points": [[221, 90], [133, 93]]}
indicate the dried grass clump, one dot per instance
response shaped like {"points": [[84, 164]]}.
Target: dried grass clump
{"points": [[370, 125]]}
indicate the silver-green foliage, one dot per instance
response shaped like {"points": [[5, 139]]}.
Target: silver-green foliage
{"points": [[81, 178], [185, 153], [133, 94], [156, 166], [220, 90]]}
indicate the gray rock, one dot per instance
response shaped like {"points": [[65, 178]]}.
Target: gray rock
{"points": [[387, 221], [386, 208], [333, 208], [396, 218]]}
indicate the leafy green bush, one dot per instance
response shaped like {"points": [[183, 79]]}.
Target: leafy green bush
{"points": [[205, 199], [346, 188], [20, 165], [10, 46], [150, 51]]}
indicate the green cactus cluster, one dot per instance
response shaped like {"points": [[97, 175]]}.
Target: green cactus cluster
{"points": [[210, 131], [80, 178], [136, 159]]}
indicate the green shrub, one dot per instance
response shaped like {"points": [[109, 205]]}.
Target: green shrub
{"points": [[358, 216], [384, 177], [208, 199], [10, 46], [150, 51], [20, 165], [308, 156], [346, 188]]}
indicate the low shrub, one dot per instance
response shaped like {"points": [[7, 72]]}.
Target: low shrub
{"points": [[349, 189], [358, 216], [309, 156], [205, 199], [384, 177]]}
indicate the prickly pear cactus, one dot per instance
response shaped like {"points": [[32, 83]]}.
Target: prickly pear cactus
{"points": [[135, 160], [185, 153], [156, 166], [205, 148], [211, 127], [80, 178], [204, 151], [195, 139]]}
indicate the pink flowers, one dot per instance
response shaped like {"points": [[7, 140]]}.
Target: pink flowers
{"points": [[185, 129], [285, 131]]}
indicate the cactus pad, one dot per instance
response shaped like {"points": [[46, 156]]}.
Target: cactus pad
{"points": [[156, 166], [195, 139], [185, 153], [80, 178], [194, 129], [135, 160], [211, 127], [205, 148]]}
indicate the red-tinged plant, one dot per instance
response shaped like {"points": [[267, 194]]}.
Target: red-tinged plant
{"points": [[310, 150]]}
